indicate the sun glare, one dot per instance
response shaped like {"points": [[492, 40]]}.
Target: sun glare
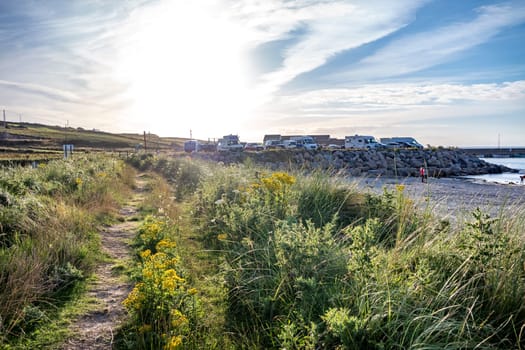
{"points": [[184, 67]]}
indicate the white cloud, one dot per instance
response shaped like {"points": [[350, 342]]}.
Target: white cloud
{"points": [[402, 96], [46, 91], [426, 49], [436, 113], [325, 29]]}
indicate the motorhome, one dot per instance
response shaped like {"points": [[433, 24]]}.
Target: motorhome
{"points": [[229, 143], [401, 142], [273, 144], [306, 142], [362, 142]]}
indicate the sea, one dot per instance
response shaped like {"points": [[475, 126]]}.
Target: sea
{"points": [[504, 178]]}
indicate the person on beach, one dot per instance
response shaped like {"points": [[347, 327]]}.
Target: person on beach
{"points": [[423, 174]]}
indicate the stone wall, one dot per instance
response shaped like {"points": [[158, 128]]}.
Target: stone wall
{"points": [[439, 163]]}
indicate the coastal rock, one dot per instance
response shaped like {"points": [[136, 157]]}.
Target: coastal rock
{"points": [[438, 162]]}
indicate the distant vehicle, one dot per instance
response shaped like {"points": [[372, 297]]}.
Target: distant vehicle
{"points": [[253, 146], [402, 142], [290, 144], [395, 145], [229, 143], [207, 147], [333, 146], [362, 142], [306, 142], [191, 146], [273, 144]]}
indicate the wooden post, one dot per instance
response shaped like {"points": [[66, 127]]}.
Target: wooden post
{"points": [[145, 144]]}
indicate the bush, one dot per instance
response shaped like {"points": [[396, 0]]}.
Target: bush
{"points": [[162, 305], [48, 234]]}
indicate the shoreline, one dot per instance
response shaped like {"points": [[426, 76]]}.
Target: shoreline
{"points": [[451, 197]]}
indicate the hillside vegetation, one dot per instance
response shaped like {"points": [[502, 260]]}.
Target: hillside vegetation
{"points": [[49, 240], [240, 257], [276, 260], [42, 142]]}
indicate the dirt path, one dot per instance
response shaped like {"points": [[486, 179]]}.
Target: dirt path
{"points": [[96, 329]]}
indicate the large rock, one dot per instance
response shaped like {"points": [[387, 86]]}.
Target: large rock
{"points": [[439, 163]]}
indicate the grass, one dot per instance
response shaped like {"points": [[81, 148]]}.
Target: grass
{"points": [[40, 139], [233, 257], [309, 262], [49, 240]]}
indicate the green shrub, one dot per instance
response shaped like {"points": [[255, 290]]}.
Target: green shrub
{"points": [[48, 235], [320, 199]]}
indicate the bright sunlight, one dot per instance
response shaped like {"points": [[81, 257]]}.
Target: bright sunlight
{"points": [[184, 65]]}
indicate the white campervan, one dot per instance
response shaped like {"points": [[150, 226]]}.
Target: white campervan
{"points": [[306, 142], [362, 142], [290, 144], [229, 143]]}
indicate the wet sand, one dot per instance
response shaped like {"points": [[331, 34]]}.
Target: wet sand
{"points": [[452, 197]]}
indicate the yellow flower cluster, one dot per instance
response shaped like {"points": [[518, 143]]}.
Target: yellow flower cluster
{"points": [[135, 298], [177, 318], [277, 182], [78, 182], [173, 343], [150, 230], [164, 245], [158, 301]]}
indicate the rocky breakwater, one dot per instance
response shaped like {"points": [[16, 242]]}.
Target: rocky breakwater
{"points": [[438, 162]]}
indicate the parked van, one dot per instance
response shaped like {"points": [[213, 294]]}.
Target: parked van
{"points": [[362, 142], [273, 144], [306, 142], [229, 143], [191, 146], [290, 144], [401, 142]]}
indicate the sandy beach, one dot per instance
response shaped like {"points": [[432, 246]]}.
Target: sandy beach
{"points": [[452, 197]]}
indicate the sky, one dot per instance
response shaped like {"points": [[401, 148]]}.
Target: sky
{"points": [[446, 72]]}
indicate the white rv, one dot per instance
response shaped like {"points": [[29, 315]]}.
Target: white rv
{"points": [[362, 142], [306, 142], [229, 143], [401, 142]]}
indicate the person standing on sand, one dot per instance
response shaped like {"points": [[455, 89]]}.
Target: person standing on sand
{"points": [[423, 174]]}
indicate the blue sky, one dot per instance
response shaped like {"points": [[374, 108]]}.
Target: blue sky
{"points": [[446, 72]]}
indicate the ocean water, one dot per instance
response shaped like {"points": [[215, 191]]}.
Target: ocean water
{"points": [[505, 178]]}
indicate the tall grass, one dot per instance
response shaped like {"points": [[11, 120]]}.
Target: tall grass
{"points": [[310, 262], [48, 235]]}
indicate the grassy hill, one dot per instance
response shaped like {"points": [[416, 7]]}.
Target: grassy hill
{"points": [[38, 141]]}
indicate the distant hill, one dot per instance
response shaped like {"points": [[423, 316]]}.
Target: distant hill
{"points": [[30, 139], [57, 135]]}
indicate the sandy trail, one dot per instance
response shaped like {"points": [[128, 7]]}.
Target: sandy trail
{"points": [[97, 328]]}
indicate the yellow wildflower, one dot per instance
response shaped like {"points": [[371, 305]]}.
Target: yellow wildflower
{"points": [[174, 343], [165, 244], [178, 318], [400, 188], [145, 254]]}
